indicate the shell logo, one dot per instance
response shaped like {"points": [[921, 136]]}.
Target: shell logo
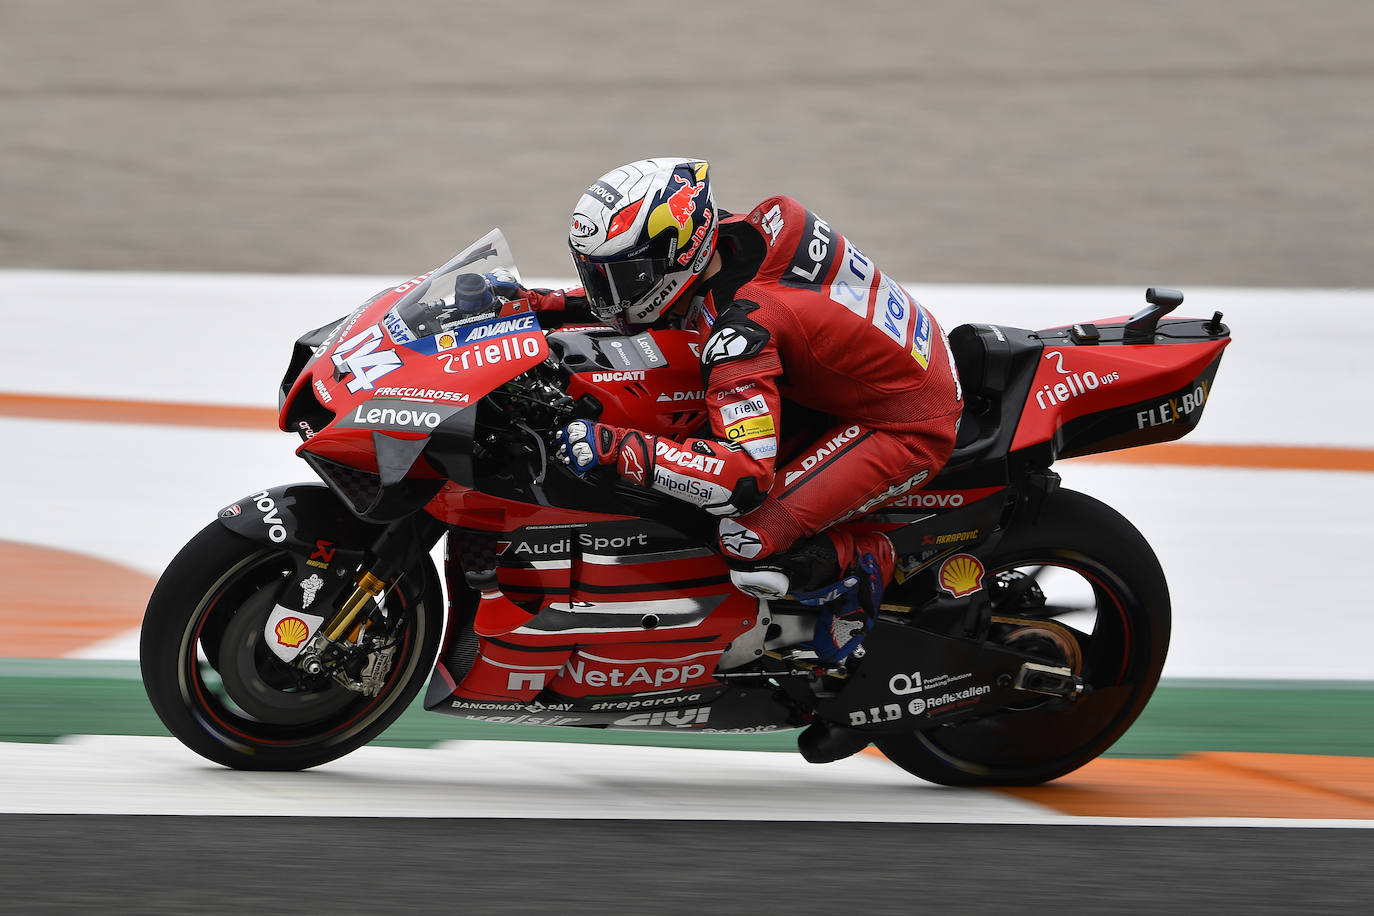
{"points": [[291, 631], [961, 575], [447, 341]]}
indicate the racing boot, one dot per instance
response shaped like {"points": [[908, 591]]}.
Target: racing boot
{"points": [[803, 568], [840, 573], [844, 621], [850, 608]]}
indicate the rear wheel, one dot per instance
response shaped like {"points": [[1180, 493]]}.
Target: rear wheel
{"points": [[1095, 583], [218, 687]]}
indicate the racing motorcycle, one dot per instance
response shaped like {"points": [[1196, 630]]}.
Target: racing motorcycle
{"points": [[1024, 632]]}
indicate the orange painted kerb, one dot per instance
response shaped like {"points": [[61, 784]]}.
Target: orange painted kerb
{"points": [[1211, 785], [1214, 784], [57, 602], [158, 413], [1265, 457]]}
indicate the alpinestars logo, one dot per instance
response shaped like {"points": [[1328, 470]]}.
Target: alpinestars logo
{"points": [[771, 223], [739, 540], [726, 343], [631, 466]]}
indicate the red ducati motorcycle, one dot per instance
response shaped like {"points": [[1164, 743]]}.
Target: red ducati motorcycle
{"points": [[1024, 632]]}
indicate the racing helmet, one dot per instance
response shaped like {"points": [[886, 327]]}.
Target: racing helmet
{"points": [[640, 235]]}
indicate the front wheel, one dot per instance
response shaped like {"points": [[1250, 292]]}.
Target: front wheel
{"points": [[1092, 577], [217, 686]]}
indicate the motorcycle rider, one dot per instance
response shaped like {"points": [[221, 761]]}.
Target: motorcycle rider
{"points": [[790, 312]]}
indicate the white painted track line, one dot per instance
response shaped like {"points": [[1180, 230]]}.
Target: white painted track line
{"points": [[501, 779]]}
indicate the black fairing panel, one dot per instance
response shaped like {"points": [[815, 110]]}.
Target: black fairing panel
{"points": [[303, 351], [293, 517], [996, 367]]}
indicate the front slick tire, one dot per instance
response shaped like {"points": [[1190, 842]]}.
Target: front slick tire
{"points": [[217, 687], [1082, 565]]}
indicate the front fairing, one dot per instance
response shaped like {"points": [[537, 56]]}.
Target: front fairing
{"points": [[409, 366]]}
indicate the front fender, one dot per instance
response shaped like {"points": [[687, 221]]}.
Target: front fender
{"points": [[298, 518]]}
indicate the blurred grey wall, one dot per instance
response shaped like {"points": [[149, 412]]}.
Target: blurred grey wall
{"points": [[1156, 141]]}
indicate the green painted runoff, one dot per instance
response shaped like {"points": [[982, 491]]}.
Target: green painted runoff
{"points": [[45, 700]]}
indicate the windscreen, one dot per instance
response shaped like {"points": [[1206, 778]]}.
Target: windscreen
{"points": [[471, 287]]}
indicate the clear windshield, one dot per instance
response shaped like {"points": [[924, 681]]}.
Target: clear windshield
{"points": [[472, 286]]}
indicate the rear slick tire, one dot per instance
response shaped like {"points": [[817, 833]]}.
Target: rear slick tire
{"points": [[217, 688], [1106, 560]]}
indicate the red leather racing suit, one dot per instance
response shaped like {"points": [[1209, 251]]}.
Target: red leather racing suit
{"points": [[798, 314]]}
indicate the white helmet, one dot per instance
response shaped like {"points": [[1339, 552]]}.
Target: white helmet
{"points": [[640, 235]]}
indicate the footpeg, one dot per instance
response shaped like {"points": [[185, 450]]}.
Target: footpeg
{"points": [[1048, 679]]}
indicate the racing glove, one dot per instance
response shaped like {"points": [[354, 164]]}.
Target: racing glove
{"points": [[586, 446], [571, 301]]}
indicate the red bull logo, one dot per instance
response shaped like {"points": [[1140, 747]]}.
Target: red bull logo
{"points": [[697, 238], [682, 201], [676, 212]]}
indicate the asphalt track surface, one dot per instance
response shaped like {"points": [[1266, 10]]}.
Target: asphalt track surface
{"points": [[178, 865], [1061, 142]]}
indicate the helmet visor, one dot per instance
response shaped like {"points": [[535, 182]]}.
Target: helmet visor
{"points": [[615, 286]]}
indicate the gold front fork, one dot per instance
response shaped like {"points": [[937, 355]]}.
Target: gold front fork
{"points": [[345, 620]]}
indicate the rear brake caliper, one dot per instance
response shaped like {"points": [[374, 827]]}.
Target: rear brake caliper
{"points": [[1058, 674], [1048, 679]]}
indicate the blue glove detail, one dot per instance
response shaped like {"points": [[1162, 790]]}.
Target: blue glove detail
{"points": [[578, 447], [503, 283]]}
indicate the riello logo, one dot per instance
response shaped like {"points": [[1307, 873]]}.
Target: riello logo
{"points": [[1072, 385]]}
